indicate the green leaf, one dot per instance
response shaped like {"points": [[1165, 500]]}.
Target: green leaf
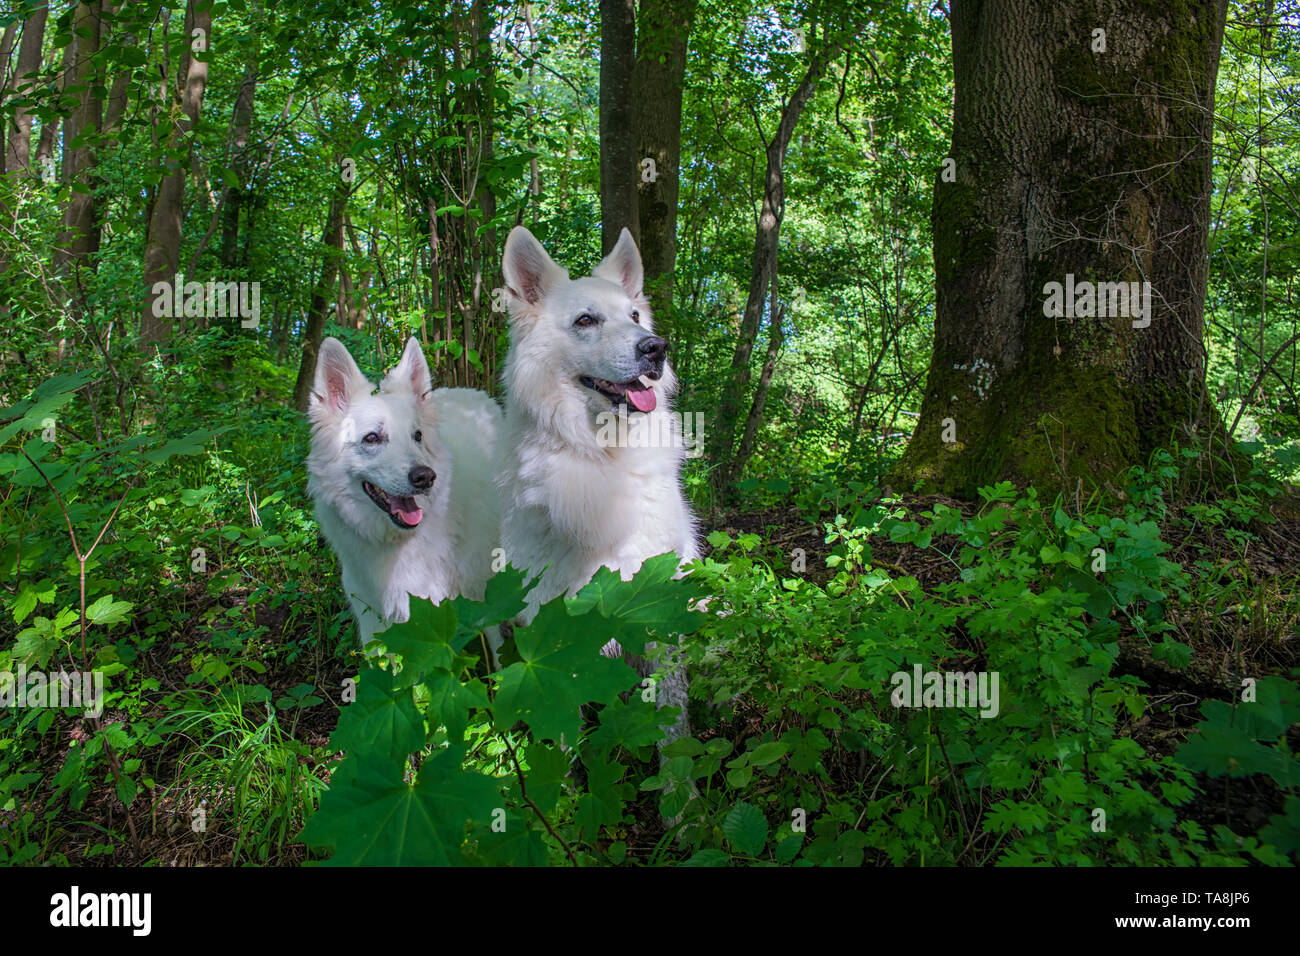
{"points": [[383, 721], [768, 753], [424, 640], [788, 848], [745, 829], [652, 599], [47, 398], [547, 769], [371, 816], [602, 804], [631, 725], [718, 540], [559, 670], [188, 445], [503, 600], [450, 702], [108, 611], [1225, 750]]}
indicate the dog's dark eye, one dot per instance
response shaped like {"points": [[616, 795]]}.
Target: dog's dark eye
{"points": [[584, 321], [372, 438], [419, 437], [636, 316]]}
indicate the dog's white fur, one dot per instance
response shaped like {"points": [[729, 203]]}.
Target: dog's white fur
{"points": [[450, 552], [568, 504]]}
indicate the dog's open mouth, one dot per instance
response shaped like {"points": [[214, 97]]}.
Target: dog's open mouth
{"points": [[402, 509], [639, 391]]}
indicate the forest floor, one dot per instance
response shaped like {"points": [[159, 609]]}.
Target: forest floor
{"points": [[1228, 643]]}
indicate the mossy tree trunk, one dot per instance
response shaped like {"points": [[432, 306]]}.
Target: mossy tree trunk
{"points": [[662, 31], [1081, 155]]}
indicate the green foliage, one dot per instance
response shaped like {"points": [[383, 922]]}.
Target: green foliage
{"points": [[443, 767], [1053, 775]]}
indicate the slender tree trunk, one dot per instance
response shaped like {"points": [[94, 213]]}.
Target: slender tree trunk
{"points": [[1079, 158], [775, 339], [322, 295], [50, 128], [162, 248], [6, 86], [120, 91], [79, 239], [662, 31], [619, 169], [18, 140], [763, 268], [241, 160]]}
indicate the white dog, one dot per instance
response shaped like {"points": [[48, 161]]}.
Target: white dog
{"points": [[592, 452], [402, 480]]}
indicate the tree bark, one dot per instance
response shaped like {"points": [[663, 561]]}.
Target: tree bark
{"points": [[119, 92], [1078, 157], [322, 295], [662, 30], [763, 268], [162, 248], [18, 140], [619, 170], [241, 159], [79, 239], [6, 62], [50, 128], [775, 339]]}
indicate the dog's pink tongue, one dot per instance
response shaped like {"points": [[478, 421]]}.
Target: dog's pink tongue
{"points": [[642, 398], [406, 509]]}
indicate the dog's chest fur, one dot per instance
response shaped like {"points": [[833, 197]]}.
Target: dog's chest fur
{"points": [[574, 511]]}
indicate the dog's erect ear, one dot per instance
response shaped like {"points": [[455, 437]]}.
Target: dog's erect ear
{"points": [[623, 265], [413, 369], [528, 270], [338, 380]]}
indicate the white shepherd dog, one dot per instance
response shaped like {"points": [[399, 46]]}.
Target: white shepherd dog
{"points": [[402, 480], [583, 352]]}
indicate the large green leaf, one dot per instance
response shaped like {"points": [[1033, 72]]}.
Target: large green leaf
{"points": [[1226, 750], [382, 721], [745, 828], [46, 399], [425, 640], [560, 669], [372, 817], [653, 599], [503, 600]]}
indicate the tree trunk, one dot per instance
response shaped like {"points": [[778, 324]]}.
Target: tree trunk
{"points": [[775, 339], [619, 169], [120, 90], [18, 140], [322, 295], [6, 61], [762, 270], [50, 128], [79, 239], [1079, 158], [241, 159], [662, 31], [162, 248]]}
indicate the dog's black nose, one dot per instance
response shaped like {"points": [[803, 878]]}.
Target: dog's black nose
{"points": [[653, 347], [421, 477]]}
